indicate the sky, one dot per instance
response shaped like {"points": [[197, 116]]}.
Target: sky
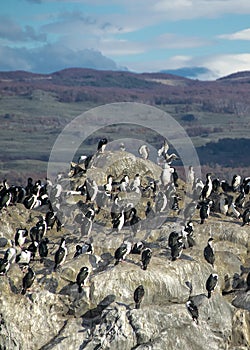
{"points": [[44, 36]]}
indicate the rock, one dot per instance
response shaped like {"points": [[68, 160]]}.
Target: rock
{"points": [[54, 315]]}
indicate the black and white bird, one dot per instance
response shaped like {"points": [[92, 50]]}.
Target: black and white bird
{"points": [[81, 277], [240, 199], [143, 151], [246, 217], [102, 145], [24, 257], [146, 256], [20, 236], [124, 184], [136, 184], [28, 280], [4, 266], [193, 310], [176, 249], [173, 238], [85, 248], [211, 284], [118, 221], [60, 254], [205, 210], [187, 235], [138, 296], [207, 189], [122, 251], [166, 175], [43, 249], [137, 248], [236, 181], [10, 253], [208, 252]]}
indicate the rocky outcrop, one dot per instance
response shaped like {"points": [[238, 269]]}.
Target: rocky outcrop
{"points": [[54, 315]]}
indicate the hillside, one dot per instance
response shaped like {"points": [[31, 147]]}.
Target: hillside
{"points": [[35, 108]]}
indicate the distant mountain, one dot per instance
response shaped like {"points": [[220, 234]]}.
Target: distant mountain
{"points": [[239, 77], [189, 72]]}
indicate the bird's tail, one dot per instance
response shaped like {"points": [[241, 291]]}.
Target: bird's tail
{"points": [[209, 294], [80, 289], [137, 305], [23, 291]]}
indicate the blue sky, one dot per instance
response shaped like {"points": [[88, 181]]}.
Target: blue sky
{"points": [[141, 35]]}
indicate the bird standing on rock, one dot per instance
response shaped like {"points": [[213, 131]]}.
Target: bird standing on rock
{"points": [[211, 283], [81, 277], [28, 280], [138, 296], [60, 254], [193, 310], [209, 252], [102, 145], [146, 257], [122, 252]]}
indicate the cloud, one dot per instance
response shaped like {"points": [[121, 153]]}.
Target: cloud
{"points": [[50, 58], [216, 65], [241, 35], [11, 31]]}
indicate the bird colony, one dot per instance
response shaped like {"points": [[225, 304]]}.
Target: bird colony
{"points": [[119, 252]]}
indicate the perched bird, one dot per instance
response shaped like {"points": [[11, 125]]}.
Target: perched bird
{"points": [[193, 310], [173, 238], [205, 210], [20, 236], [4, 266], [211, 283], [118, 221], [28, 280], [10, 253], [43, 249], [236, 180], [122, 251], [81, 277], [102, 145], [138, 296], [166, 175], [207, 189], [146, 256], [86, 248], [33, 247], [143, 151], [187, 235], [136, 183], [137, 248], [24, 257], [176, 249], [246, 217], [60, 254], [209, 252]]}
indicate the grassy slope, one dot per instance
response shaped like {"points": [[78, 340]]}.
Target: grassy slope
{"points": [[31, 123]]}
